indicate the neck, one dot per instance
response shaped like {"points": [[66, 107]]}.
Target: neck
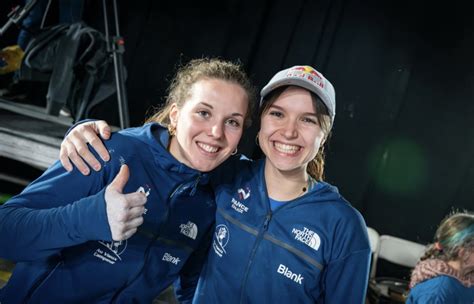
{"points": [[175, 151], [285, 185]]}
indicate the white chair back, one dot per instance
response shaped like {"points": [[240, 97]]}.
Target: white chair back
{"points": [[400, 251], [374, 240]]}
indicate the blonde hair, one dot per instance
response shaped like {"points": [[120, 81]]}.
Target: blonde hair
{"points": [[199, 69], [315, 167], [456, 231]]}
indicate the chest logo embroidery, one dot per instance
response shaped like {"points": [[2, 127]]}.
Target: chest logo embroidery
{"points": [[307, 236], [112, 251], [242, 194], [221, 238], [189, 229]]}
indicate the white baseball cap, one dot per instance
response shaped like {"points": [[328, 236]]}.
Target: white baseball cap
{"points": [[306, 77]]}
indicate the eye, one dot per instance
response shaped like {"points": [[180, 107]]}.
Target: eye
{"points": [[309, 120], [203, 113], [275, 113], [233, 123]]}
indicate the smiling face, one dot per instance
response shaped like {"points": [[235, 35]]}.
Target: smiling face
{"points": [[290, 135], [209, 125]]}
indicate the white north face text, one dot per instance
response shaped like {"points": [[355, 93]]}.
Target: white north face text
{"points": [[189, 229], [307, 236]]}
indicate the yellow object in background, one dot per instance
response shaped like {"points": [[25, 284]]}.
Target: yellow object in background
{"points": [[6, 268], [5, 275], [11, 56]]}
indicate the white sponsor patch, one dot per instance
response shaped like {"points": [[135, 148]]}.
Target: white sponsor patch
{"points": [[307, 236], [295, 277], [238, 206], [171, 259]]}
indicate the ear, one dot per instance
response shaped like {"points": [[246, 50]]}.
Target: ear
{"points": [[174, 115]]}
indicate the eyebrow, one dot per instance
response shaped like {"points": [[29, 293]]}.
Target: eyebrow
{"points": [[282, 109], [210, 106]]}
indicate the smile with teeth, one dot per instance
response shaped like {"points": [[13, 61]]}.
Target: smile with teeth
{"points": [[208, 148], [285, 148]]}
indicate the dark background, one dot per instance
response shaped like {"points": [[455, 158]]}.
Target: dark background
{"points": [[402, 146]]}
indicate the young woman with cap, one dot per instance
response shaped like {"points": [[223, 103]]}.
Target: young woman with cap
{"points": [[78, 239], [283, 235], [445, 274]]}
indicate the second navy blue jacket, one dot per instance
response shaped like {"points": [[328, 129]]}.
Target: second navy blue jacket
{"points": [[313, 249]]}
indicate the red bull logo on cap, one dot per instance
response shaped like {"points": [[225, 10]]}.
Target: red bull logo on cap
{"points": [[307, 73]]}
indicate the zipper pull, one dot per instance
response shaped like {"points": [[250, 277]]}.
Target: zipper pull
{"points": [[195, 185], [267, 220]]}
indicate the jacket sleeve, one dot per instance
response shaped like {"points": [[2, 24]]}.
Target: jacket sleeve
{"points": [[185, 285], [346, 279], [57, 210]]}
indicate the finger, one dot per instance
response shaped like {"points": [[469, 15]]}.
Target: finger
{"points": [[120, 179], [129, 233], [133, 224], [75, 158], [79, 144], [64, 159], [122, 236], [135, 199], [96, 143], [135, 212], [102, 128]]}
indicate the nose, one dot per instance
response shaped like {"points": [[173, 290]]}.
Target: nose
{"points": [[290, 129], [217, 130]]}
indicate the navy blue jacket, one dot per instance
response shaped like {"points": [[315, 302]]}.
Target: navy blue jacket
{"points": [[313, 249], [57, 230]]}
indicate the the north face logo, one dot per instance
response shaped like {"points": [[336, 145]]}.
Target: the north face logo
{"points": [[307, 236], [189, 229]]}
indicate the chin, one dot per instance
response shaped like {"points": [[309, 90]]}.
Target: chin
{"points": [[284, 166], [206, 167]]}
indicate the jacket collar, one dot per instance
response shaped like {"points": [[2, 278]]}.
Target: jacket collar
{"points": [[326, 192]]}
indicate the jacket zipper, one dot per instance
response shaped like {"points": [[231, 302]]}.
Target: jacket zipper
{"points": [[268, 217], [165, 219], [270, 238], [195, 185]]}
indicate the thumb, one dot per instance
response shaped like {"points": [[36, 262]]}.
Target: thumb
{"points": [[120, 179]]}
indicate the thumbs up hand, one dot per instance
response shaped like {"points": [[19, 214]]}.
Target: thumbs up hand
{"points": [[124, 211]]}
